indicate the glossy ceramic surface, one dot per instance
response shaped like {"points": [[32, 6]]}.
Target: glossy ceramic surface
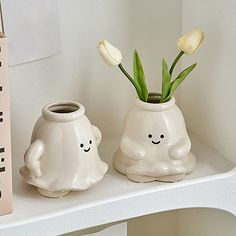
{"points": [[154, 144], [63, 154]]}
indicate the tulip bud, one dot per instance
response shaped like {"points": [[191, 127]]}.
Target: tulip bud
{"points": [[190, 42], [110, 54]]}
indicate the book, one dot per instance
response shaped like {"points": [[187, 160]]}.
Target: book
{"points": [[5, 133]]}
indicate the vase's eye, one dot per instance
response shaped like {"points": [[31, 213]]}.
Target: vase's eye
{"points": [[162, 136], [149, 136], [90, 141], [81, 145]]}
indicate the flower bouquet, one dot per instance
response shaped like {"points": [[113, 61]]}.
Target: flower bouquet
{"points": [[155, 144], [188, 44]]}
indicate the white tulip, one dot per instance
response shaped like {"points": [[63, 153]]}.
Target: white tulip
{"points": [[190, 42], [109, 53]]}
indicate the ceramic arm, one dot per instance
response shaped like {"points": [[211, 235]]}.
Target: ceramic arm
{"points": [[32, 158], [132, 149], [180, 149], [97, 134]]}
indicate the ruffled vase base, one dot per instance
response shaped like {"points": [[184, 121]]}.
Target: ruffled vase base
{"points": [[146, 179], [137, 172], [52, 194]]}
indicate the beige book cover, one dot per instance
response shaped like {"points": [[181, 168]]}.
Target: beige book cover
{"points": [[5, 137]]}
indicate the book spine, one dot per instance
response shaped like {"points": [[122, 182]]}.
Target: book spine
{"points": [[5, 134]]}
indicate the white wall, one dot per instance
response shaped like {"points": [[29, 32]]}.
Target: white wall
{"points": [[208, 99], [205, 222], [78, 73], [161, 224], [185, 222]]}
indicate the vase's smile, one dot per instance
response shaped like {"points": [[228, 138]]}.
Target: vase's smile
{"points": [[156, 142], [87, 150]]}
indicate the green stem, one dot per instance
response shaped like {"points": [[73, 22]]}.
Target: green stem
{"points": [[131, 80], [175, 62]]}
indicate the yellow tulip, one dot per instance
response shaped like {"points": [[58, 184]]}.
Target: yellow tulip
{"points": [[190, 42]]}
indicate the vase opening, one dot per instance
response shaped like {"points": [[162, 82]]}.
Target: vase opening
{"points": [[153, 103], [154, 98], [63, 108], [63, 111]]}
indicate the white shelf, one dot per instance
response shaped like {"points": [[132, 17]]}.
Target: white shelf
{"points": [[116, 198]]}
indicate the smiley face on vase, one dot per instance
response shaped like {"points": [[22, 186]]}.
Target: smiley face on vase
{"points": [[84, 148], [154, 141]]}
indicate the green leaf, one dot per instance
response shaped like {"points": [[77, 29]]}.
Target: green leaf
{"points": [[166, 78], [139, 76], [175, 84]]}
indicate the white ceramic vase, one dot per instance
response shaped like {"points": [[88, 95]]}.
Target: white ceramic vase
{"points": [[63, 154], [154, 144]]}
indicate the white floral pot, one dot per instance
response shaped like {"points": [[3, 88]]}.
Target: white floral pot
{"points": [[63, 154], [154, 144]]}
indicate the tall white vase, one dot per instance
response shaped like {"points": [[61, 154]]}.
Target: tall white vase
{"points": [[154, 144], [63, 154]]}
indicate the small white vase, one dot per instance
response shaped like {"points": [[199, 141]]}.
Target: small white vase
{"points": [[154, 144], [63, 154]]}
